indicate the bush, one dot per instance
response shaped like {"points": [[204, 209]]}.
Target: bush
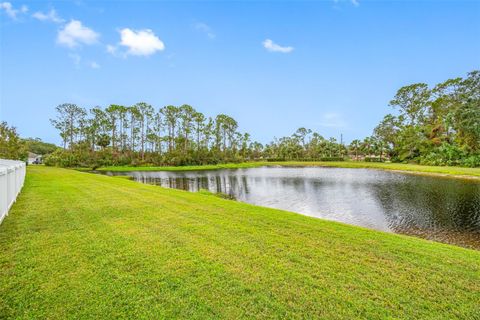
{"points": [[447, 155], [79, 157], [61, 158], [471, 161]]}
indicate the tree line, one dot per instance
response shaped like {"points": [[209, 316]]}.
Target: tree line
{"points": [[435, 126], [140, 134]]}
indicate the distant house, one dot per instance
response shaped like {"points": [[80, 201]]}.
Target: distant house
{"points": [[34, 158]]}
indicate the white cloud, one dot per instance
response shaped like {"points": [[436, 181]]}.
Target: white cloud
{"points": [[94, 65], [203, 27], [49, 16], [74, 34], [7, 6], [273, 47], [141, 42], [12, 12], [332, 120]]}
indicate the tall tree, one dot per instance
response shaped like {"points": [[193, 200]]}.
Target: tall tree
{"points": [[113, 114], [170, 114], [187, 114], [157, 131], [144, 113], [67, 122], [11, 146], [199, 120], [134, 120], [100, 125], [468, 124], [122, 117], [412, 101]]}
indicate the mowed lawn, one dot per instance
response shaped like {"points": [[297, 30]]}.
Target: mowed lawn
{"points": [[78, 246]]}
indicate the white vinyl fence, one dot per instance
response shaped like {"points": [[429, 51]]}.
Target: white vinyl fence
{"points": [[12, 175]]}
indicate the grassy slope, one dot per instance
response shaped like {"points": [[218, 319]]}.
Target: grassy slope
{"points": [[460, 171], [77, 245]]}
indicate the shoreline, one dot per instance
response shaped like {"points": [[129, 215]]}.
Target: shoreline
{"points": [[472, 174]]}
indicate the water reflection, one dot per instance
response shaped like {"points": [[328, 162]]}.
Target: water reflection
{"points": [[440, 209]]}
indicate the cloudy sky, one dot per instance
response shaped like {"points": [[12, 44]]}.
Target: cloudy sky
{"points": [[331, 66]]}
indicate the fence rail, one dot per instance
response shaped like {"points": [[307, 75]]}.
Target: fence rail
{"points": [[12, 176]]}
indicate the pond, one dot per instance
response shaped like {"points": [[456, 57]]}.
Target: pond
{"points": [[436, 208]]}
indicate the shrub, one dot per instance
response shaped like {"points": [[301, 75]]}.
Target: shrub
{"points": [[447, 155], [471, 161], [62, 158]]}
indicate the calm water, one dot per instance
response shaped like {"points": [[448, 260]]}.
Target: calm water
{"points": [[441, 209]]}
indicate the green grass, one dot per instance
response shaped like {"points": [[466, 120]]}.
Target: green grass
{"points": [[414, 168], [78, 245]]}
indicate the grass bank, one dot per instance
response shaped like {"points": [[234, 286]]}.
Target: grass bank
{"points": [[78, 245], [411, 168]]}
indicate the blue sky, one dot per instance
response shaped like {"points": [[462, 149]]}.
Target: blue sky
{"points": [[331, 66]]}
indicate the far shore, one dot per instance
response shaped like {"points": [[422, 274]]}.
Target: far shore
{"points": [[441, 171]]}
